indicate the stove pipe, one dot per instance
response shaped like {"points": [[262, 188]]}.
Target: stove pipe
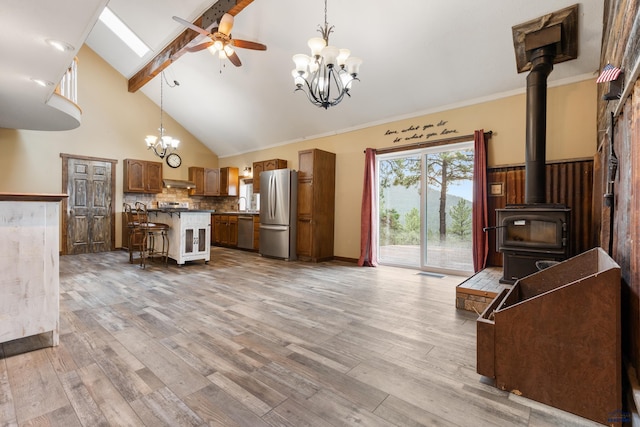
{"points": [[535, 157]]}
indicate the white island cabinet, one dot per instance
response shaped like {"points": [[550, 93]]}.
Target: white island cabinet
{"points": [[30, 265], [189, 234]]}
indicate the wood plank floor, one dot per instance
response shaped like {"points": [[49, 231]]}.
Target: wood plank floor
{"points": [[251, 341]]}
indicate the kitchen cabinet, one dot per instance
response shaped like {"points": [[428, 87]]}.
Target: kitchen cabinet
{"points": [[316, 205], [196, 175], [214, 181], [141, 176], [265, 165], [225, 230], [229, 183]]}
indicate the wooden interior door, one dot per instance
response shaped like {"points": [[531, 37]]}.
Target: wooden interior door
{"points": [[88, 215]]}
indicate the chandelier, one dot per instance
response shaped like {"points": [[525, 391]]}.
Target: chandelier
{"points": [[327, 74], [162, 144]]}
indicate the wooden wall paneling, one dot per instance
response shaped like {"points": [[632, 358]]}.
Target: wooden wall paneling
{"points": [[620, 42], [622, 228], [599, 189], [632, 292]]}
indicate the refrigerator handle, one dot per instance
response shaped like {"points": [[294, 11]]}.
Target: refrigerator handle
{"points": [[271, 195]]}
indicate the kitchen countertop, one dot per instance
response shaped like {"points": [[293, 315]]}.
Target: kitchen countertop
{"points": [[211, 211], [171, 210], [238, 213]]}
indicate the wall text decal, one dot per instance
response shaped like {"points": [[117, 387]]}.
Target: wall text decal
{"points": [[420, 132]]}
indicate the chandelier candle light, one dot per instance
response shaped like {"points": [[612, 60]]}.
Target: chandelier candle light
{"points": [[327, 74], [164, 143]]}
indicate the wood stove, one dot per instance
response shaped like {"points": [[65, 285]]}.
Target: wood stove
{"points": [[530, 233]]}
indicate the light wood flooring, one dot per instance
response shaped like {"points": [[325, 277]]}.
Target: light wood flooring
{"points": [[251, 341]]}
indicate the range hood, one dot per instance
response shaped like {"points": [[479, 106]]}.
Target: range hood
{"points": [[177, 183]]}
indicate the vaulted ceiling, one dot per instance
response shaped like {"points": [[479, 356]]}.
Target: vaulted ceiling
{"points": [[418, 57]]}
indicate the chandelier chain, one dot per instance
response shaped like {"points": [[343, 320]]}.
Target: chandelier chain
{"points": [[161, 145], [161, 104]]}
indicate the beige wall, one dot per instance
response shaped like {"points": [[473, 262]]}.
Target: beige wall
{"points": [[571, 131], [114, 123]]}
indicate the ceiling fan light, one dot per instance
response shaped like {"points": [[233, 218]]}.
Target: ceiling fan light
{"points": [[226, 23], [228, 50], [218, 45], [353, 65], [212, 50], [330, 55], [302, 61], [342, 56], [316, 44]]}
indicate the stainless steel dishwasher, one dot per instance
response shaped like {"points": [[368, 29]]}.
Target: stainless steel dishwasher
{"points": [[245, 232]]}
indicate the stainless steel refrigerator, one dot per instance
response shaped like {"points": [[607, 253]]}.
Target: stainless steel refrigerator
{"points": [[278, 213]]}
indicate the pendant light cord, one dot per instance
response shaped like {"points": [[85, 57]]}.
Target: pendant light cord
{"points": [[161, 104]]}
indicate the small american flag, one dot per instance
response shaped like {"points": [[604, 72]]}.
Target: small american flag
{"points": [[609, 73]]}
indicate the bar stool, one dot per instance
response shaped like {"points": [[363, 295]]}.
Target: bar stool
{"points": [[149, 231], [135, 233]]}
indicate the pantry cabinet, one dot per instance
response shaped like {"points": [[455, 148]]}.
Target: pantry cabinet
{"points": [[316, 205], [142, 176]]}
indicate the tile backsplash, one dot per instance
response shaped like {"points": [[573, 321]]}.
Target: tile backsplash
{"points": [[219, 204]]}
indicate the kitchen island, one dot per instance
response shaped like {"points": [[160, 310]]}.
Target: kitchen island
{"points": [[189, 233]]}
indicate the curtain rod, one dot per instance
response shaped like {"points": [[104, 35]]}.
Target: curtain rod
{"points": [[435, 143]]}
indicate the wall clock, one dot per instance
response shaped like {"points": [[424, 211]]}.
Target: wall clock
{"points": [[174, 160]]}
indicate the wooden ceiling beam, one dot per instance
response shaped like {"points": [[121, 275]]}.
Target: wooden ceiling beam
{"points": [[175, 49]]}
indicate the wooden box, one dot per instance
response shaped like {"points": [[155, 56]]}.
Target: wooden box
{"points": [[555, 337]]}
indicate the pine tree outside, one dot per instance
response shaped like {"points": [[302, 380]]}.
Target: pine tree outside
{"points": [[430, 230]]}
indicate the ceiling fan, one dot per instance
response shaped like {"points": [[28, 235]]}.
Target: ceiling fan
{"points": [[220, 39]]}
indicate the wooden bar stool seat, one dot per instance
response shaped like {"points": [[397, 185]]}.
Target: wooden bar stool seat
{"points": [[135, 232], [150, 247]]}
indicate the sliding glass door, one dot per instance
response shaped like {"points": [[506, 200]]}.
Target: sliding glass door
{"points": [[424, 207]]}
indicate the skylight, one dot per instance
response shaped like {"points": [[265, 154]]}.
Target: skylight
{"points": [[121, 30]]}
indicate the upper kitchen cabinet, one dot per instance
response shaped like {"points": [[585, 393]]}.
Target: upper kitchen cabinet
{"points": [[141, 176], [265, 165], [196, 175], [229, 181], [214, 181], [316, 205]]}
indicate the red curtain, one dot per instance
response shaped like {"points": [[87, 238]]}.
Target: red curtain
{"points": [[479, 212], [368, 227]]}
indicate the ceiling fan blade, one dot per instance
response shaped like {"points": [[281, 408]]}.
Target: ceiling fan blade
{"points": [[226, 23], [233, 57], [190, 25], [199, 47], [248, 45]]}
